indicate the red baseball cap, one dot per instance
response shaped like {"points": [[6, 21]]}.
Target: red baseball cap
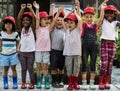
{"points": [[27, 14], [110, 7], [10, 18], [62, 14], [44, 14], [89, 10], [71, 16]]}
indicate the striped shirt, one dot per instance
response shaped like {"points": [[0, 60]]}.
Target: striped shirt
{"points": [[8, 42]]}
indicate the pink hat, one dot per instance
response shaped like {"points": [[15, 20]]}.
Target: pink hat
{"points": [[27, 14], [71, 16], [110, 7], [44, 14], [10, 18], [89, 10]]}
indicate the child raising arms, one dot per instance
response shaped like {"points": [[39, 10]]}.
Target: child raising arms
{"points": [[57, 44], [108, 46], [72, 48], [27, 44], [42, 47], [89, 44]]}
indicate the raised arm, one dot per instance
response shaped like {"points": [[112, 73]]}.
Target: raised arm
{"points": [[60, 9], [36, 5], [52, 7], [77, 7], [102, 7], [79, 25], [118, 12], [23, 6], [29, 6]]}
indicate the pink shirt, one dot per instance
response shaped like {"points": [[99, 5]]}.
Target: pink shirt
{"points": [[43, 39]]}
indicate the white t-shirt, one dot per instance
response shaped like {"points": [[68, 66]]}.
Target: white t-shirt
{"points": [[57, 39], [109, 30], [9, 42], [27, 41], [72, 42]]}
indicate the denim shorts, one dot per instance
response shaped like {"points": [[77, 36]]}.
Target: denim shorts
{"points": [[9, 60]]}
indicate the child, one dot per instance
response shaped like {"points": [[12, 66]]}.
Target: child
{"points": [[27, 44], [89, 44], [42, 46], [8, 57], [108, 46], [72, 49], [57, 44]]}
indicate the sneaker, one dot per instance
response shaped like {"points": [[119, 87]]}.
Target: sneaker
{"points": [[56, 85], [84, 85], [61, 84]]}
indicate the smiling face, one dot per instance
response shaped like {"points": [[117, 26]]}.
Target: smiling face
{"points": [[110, 15], [8, 26], [59, 22], [44, 21], [71, 24], [26, 22], [89, 18]]}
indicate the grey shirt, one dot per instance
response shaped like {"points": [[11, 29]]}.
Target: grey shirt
{"points": [[57, 39]]}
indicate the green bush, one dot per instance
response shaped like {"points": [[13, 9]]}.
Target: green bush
{"points": [[118, 47]]}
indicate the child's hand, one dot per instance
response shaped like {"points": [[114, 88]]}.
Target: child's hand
{"points": [[29, 5], [105, 1], [23, 6], [18, 50], [52, 5], [103, 6], [36, 5], [60, 9], [77, 3]]}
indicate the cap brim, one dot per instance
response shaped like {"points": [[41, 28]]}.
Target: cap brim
{"points": [[5, 20]]}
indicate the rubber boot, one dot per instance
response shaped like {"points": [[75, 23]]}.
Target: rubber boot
{"points": [[107, 82], [5, 80], [92, 86], [38, 86], [75, 83], [70, 83], [47, 84], [60, 80], [101, 83], [31, 85], [84, 84], [54, 81], [23, 86], [15, 84]]}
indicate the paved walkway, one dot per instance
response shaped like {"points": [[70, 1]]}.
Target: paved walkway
{"points": [[115, 82], [113, 88]]}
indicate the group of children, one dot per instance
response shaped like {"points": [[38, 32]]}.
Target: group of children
{"points": [[55, 39]]}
